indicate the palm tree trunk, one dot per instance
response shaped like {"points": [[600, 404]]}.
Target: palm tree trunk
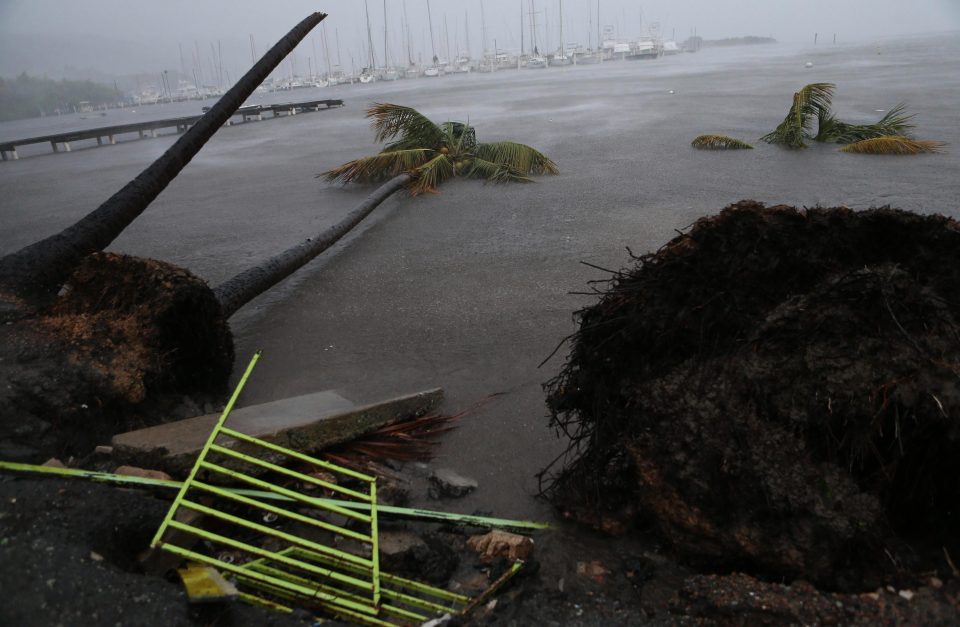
{"points": [[39, 269], [244, 287]]}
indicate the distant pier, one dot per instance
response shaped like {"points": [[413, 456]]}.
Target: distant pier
{"points": [[61, 141]]}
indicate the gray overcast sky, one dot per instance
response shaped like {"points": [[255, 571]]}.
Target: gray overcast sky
{"points": [[126, 36]]}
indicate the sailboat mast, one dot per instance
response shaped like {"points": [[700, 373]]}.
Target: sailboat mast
{"points": [[433, 47], [372, 60], [336, 32], [563, 52], [326, 50], [533, 27], [521, 28], [406, 22], [483, 29], [466, 27], [386, 55], [599, 42], [446, 36]]}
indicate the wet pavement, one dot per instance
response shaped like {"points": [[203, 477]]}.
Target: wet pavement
{"points": [[469, 289]]}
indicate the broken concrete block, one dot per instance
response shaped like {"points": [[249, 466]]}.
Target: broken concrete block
{"points": [[497, 544], [133, 471], [303, 423], [445, 482]]}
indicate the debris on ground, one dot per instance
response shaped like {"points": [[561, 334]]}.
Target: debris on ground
{"points": [[144, 473], [594, 569], [328, 562], [501, 545], [447, 483]]}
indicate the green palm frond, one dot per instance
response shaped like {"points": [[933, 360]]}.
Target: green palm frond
{"points": [[519, 157], [719, 142], [461, 135], [495, 172], [428, 176], [433, 153], [812, 101], [894, 145], [896, 122], [390, 120], [379, 167]]}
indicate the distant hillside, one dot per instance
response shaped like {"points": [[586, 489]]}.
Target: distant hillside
{"points": [[739, 41], [28, 97]]}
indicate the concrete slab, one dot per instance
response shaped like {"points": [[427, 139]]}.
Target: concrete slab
{"points": [[304, 423]]}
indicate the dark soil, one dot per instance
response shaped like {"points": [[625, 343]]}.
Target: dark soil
{"points": [[776, 392], [119, 348], [70, 551]]}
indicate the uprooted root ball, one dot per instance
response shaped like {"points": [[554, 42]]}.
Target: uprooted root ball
{"points": [[123, 332], [776, 391]]}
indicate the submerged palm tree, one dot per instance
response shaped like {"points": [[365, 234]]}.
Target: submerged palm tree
{"points": [[814, 102], [433, 153], [811, 102]]}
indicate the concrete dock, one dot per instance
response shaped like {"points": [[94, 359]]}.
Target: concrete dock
{"points": [[58, 141]]}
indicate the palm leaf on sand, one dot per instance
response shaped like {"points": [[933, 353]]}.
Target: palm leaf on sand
{"points": [[719, 142], [894, 145]]}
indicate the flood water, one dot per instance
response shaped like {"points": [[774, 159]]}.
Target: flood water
{"points": [[470, 289]]}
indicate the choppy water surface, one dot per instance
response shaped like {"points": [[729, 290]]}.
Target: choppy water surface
{"points": [[469, 289]]}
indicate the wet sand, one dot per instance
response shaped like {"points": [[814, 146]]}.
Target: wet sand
{"points": [[470, 289]]}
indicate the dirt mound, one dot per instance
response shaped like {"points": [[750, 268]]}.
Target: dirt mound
{"points": [[776, 391], [123, 333]]}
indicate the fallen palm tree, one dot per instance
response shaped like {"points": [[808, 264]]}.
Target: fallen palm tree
{"points": [[432, 153], [774, 391], [89, 337], [719, 142], [889, 135], [809, 103]]}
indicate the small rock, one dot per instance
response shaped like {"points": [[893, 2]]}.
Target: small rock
{"points": [[594, 570], [497, 544], [907, 594], [103, 450], [448, 483], [133, 471], [935, 582], [96, 556], [393, 493], [406, 554], [53, 462]]}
